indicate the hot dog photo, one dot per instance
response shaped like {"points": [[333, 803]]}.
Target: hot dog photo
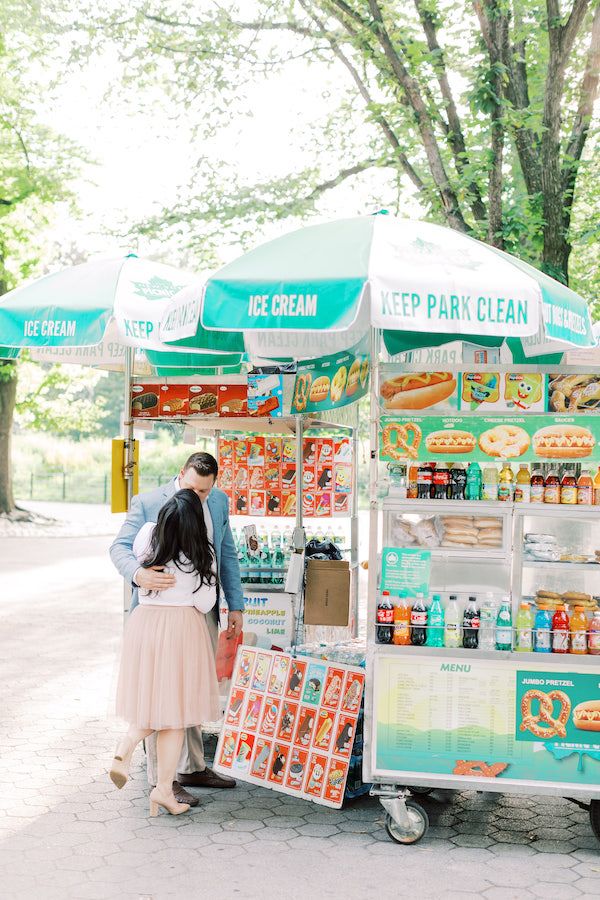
{"points": [[418, 390]]}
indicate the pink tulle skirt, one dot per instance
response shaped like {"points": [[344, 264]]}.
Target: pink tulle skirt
{"points": [[167, 677]]}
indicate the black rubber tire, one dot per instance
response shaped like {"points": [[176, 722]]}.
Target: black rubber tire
{"points": [[595, 817], [419, 819], [421, 791]]}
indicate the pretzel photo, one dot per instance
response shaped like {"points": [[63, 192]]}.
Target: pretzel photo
{"points": [[400, 441], [302, 391], [478, 768], [544, 725]]}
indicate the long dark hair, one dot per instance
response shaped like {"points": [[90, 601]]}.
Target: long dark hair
{"points": [[180, 535]]}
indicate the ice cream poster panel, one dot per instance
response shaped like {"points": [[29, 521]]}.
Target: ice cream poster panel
{"points": [[290, 724], [331, 381]]}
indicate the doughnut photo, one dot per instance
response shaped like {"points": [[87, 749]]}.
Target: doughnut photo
{"points": [[505, 441]]}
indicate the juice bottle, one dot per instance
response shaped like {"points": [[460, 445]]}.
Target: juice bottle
{"points": [[568, 488], [537, 486], [542, 635], [579, 631], [585, 488], [594, 634], [452, 623], [560, 631], [489, 490], [506, 483], [524, 628], [552, 488], [411, 490], [473, 485], [402, 623], [504, 626], [597, 488], [435, 631], [523, 485]]}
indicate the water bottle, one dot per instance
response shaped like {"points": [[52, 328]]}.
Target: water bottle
{"points": [[275, 538], [487, 624]]}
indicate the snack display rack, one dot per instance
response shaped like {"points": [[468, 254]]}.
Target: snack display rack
{"points": [[476, 719]]}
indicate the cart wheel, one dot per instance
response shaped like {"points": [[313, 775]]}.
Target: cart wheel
{"points": [[419, 823], [421, 791], [595, 817]]}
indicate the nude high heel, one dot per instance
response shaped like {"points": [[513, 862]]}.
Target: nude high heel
{"points": [[171, 806], [119, 770]]}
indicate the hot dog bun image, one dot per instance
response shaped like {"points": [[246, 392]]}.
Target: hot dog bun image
{"points": [[586, 716], [417, 390], [320, 389], [563, 442]]}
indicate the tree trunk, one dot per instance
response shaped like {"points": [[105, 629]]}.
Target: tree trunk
{"points": [[8, 395]]}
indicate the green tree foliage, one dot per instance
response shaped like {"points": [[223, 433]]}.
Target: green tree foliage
{"points": [[36, 170], [482, 110]]}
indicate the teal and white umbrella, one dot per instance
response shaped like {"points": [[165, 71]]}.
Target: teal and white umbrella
{"points": [[420, 283], [88, 314]]}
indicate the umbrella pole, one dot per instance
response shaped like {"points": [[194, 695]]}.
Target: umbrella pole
{"points": [[354, 527], [128, 470]]}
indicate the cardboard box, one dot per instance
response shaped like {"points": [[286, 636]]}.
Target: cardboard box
{"points": [[327, 597]]}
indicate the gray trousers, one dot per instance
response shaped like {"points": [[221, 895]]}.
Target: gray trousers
{"points": [[192, 752]]}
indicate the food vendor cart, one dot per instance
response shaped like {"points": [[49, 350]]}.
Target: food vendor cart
{"points": [[501, 720]]}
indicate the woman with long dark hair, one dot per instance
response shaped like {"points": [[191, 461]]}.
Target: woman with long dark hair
{"points": [[167, 680]]}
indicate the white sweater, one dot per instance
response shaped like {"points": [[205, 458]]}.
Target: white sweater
{"points": [[182, 592]]}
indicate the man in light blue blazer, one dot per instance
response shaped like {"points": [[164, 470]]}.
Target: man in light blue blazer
{"points": [[199, 474]]}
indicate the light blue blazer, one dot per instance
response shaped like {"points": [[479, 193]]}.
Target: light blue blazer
{"points": [[145, 508]]}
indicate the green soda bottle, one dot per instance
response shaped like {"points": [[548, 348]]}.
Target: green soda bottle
{"points": [[504, 627], [435, 631]]}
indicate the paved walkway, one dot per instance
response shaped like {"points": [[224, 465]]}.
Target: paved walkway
{"points": [[65, 832]]}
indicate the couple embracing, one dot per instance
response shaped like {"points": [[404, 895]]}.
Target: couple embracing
{"points": [[177, 551]]}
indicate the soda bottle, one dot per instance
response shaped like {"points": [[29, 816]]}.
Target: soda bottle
{"points": [[385, 619], [597, 488], [524, 628], [579, 642], [441, 484], [560, 631], [487, 627], [473, 486], [542, 635], [452, 624], [504, 626], [471, 625], [585, 488], [490, 484], [523, 485], [402, 622], [594, 634], [506, 483], [411, 486], [568, 488], [418, 622], [424, 481], [537, 486], [552, 488], [435, 631], [458, 482]]}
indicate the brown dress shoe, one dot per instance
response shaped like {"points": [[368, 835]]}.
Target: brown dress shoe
{"points": [[207, 778], [182, 796]]}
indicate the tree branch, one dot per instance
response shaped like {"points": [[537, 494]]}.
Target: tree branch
{"points": [[257, 25], [455, 134], [342, 175], [410, 87]]}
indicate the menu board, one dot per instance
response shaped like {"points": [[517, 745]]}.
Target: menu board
{"points": [[477, 718], [490, 439], [290, 724], [260, 395], [259, 474]]}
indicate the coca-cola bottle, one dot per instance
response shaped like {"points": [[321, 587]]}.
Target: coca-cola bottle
{"points": [[385, 619], [424, 481], [471, 625], [418, 622]]}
